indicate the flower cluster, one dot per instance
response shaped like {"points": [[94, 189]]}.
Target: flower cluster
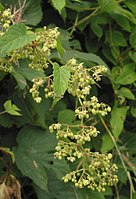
{"points": [[5, 65], [94, 170], [95, 175], [98, 71], [46, 40], [5, 20], [80, 81], [39, 50], [37, 83], [69, 150]]}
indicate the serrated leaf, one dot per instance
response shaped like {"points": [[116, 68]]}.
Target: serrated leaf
{"points": [[59, 5], [34, 155], [15, 37], [61, 77], [125, 92], [118, 116], [11, 108]]}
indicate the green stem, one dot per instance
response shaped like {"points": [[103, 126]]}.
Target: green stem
{"points": [[81, 9], [86, 18], [75, 24], [132, 190], [2, 112]]}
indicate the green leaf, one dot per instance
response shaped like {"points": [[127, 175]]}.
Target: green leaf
{"points": [[118, 38], [107, 143], [56, 189], [122, 22], [66, 116], [61, 77], [39, 111], [133, 111], [15, 37], [127, 75], [131, 4], [118, 116], [20, 79], [112, 6], [27, 72], [11, 108], [69, 54], [1, 7], [6, 120], [129, 140], [32, 13], [59, 5], [34, 155], [132, 38], [60, 48], [125, 92]]}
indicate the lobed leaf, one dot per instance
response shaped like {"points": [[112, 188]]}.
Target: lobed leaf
{"points": [[34, 155]]}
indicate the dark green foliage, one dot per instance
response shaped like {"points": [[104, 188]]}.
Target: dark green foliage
{"points": [[96, 32]]}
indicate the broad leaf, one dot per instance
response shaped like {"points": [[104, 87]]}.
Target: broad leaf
{"points": [[118, 116], [34, 155], [15, 37], [61, 77]]}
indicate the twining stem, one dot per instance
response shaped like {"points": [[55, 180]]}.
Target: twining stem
{"points": [[132, 190]]}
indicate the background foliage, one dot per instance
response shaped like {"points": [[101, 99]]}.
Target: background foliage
{"points": [[95, 32]]}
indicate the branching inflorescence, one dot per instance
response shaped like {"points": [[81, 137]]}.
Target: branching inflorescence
{"points": [[93, 170]]}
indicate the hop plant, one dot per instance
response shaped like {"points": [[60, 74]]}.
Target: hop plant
{"points": [[94, 171]]}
